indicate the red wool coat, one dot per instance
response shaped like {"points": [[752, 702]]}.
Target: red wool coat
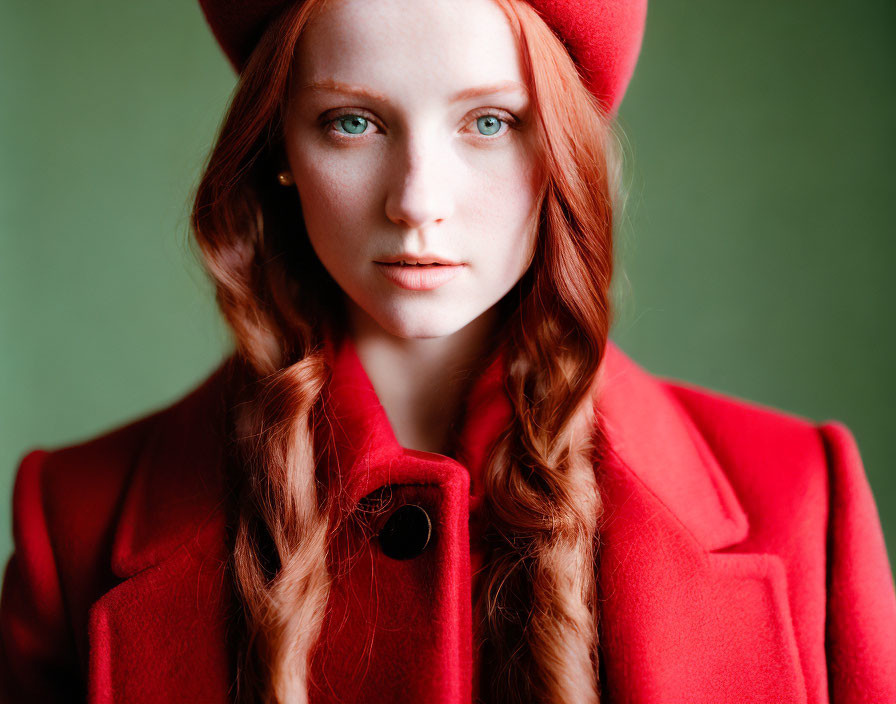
{"points": [[742, 557]]}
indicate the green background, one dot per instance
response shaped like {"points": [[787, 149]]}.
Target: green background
{"points": [[755, 253]]}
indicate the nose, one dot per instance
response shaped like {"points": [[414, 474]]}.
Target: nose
{"points": [[419, 191]]}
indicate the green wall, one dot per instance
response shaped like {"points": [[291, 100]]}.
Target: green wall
{"points": [[755, 248]]}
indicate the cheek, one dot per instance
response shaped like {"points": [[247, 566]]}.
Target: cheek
{"points": [[334, 201], [505, 212]]}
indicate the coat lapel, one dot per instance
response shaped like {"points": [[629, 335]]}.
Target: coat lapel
{"points": [[684, 616]]}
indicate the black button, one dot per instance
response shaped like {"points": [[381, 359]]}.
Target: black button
{"points": [[406, 533]]}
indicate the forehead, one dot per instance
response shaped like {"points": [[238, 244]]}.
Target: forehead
{"points": [[395, 45]]}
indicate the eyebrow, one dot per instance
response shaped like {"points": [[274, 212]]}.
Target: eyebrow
{"points": [[331, 86]]}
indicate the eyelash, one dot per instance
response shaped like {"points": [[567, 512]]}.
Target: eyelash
{"points": [[509, 119]]}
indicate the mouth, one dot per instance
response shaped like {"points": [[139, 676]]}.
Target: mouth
{"points": [[419, 276], [422, 260]]}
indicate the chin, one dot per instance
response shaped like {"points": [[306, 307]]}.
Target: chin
{"points": [[422, 325]]}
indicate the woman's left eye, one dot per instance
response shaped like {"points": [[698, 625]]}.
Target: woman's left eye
{"points": [[489, 124]]}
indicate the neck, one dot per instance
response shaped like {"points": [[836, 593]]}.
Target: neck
{"points": [[422, 382]]}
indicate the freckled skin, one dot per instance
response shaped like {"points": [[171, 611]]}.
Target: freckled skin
{"points": [[423, 174]]}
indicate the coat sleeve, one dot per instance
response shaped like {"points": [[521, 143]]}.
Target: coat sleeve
{"points": [[860, 633], [38, 662]]}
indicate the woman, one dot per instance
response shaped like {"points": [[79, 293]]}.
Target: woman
{"points": [[426, 474]]}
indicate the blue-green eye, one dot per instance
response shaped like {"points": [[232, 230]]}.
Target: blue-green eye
{"points": [[488, 124], [352, 124]]}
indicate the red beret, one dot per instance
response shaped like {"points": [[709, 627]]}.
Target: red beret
{"points": [[603, 36]]}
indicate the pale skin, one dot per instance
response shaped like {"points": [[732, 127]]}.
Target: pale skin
{"points": [[422, 172]]}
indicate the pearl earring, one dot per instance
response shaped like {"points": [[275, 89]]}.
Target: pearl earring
{"points": [[285, 178]]}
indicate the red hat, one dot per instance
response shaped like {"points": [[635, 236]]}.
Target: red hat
{"points": [[603, 36]]}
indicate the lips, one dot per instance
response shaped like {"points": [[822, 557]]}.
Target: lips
{"points": [[406, 259], [419, 277]]}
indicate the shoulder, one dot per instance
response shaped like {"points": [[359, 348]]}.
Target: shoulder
{"points": [[786, 469], [730, 468], [751, 442], [88, 468], [73, 495], [52, 482], [774, 468], [771, 445], [751, 437]]}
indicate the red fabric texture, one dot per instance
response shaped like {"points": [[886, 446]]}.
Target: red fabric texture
{"points": [[742, 557], [603, 36]]}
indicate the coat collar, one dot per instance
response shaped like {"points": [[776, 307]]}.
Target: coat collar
{"points": [[176, 493], [366, 453]]}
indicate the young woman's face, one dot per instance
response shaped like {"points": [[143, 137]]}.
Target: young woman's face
{"points": [[402, 134]]}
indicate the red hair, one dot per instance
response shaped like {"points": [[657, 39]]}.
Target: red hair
{"points": [[536, 609]]}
